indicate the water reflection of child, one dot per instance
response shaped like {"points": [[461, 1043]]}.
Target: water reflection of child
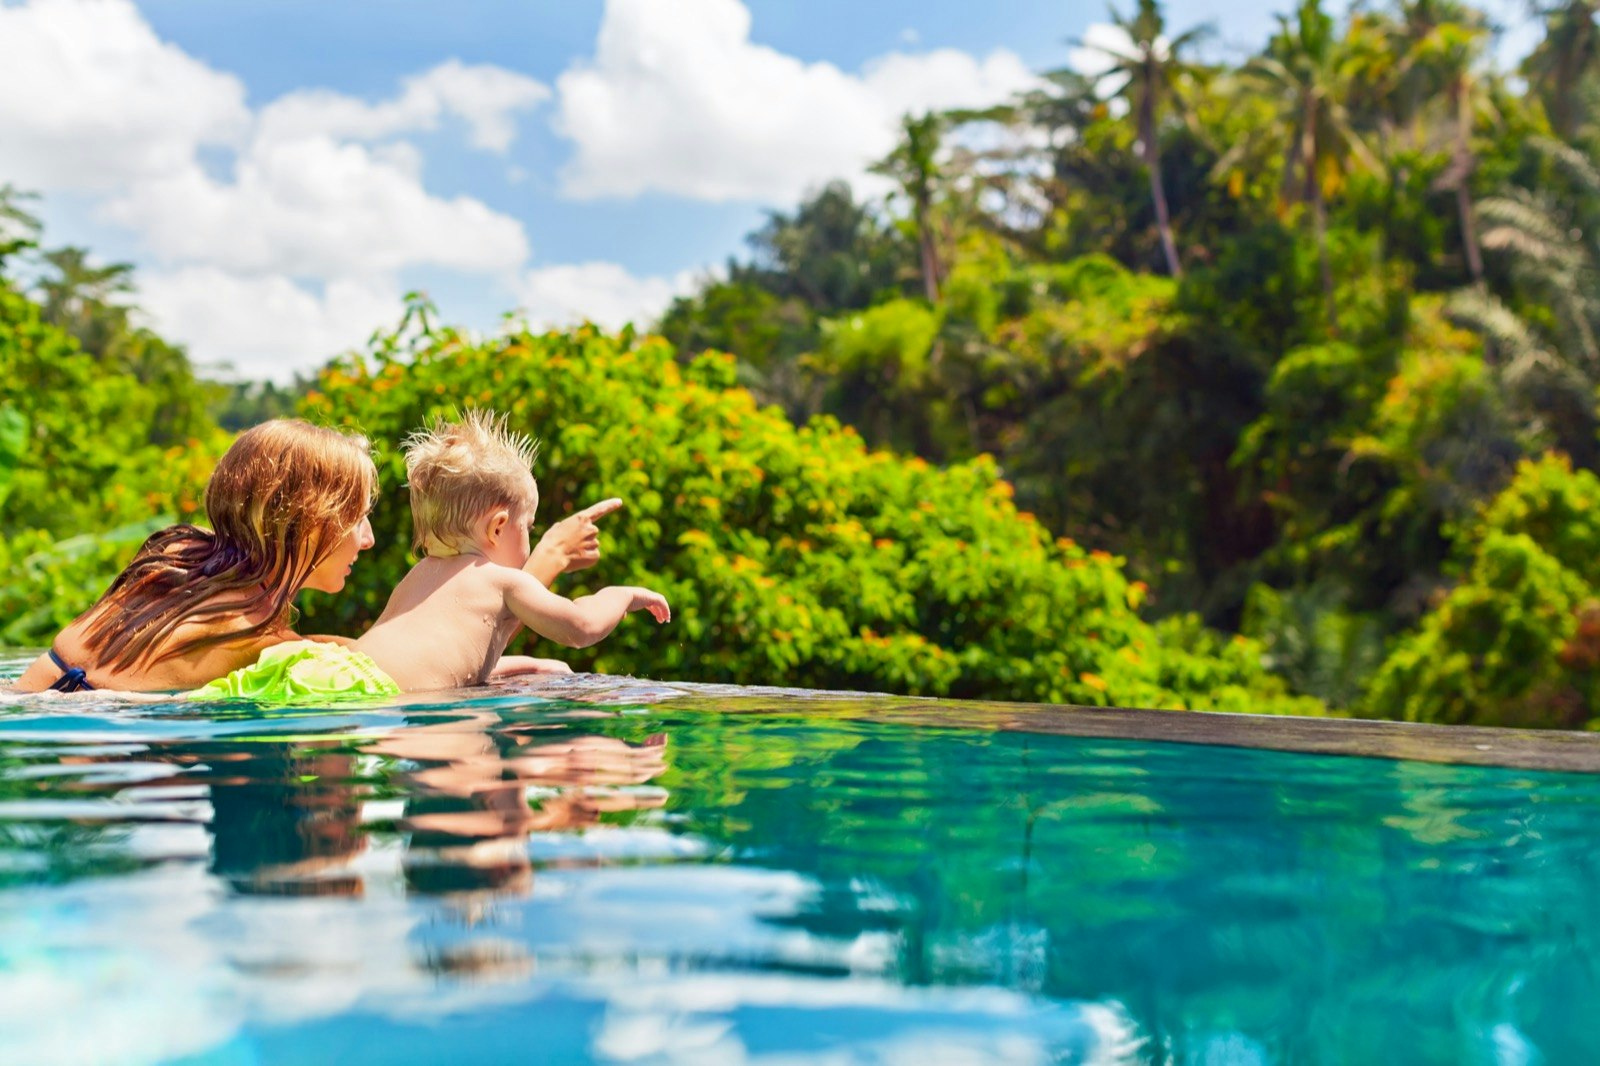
{"points": [[469, 816]]}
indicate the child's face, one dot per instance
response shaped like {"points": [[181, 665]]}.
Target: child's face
{"points": [[513, 545]]}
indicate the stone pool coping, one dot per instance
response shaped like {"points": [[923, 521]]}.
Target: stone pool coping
{"points": [[1528, 749], [1571, 751]]}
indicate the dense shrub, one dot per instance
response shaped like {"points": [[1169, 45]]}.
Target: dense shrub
{"points": [[1517, 642], [76, 459], [792, 555], [86, 461]]}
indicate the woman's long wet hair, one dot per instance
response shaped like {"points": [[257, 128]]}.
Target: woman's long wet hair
{"points": [[281, 499]]}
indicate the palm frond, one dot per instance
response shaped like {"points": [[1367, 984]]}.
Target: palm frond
{"points": [[1577, 166], [1524, 225], [1521, 352]]}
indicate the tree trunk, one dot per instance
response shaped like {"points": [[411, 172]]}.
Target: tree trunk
{"points": [[1158, 192], [1469, 227], [1309, 154], [1319, 217], [927, 252]]}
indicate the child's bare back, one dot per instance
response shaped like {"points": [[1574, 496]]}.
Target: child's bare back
{"points": [[449, 620], [445, 625]]}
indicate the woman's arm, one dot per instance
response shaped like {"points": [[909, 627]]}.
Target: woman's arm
{"points": [[571, 544]]}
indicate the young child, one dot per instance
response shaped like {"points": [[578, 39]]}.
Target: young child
{"points": [[448, 621]]}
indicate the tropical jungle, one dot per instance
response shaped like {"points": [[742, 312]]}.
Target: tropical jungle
{"points": [[1261, 386]]}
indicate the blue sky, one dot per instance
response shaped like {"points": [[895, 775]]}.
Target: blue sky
{"points": [[281, 170]]}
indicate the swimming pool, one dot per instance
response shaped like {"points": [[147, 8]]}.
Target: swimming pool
{"points": [[620, 871]]}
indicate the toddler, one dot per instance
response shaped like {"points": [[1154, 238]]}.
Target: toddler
{"points": [[472, 505]]}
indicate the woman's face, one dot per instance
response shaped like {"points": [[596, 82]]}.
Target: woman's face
{"points": [[335, 567]]}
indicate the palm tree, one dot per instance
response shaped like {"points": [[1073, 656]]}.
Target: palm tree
{"points": [[914, 166], [83, 299], [1553, 241], [19, 227], [1038, 179], [1413, 40], [1302, 71], [1569, 51], [1439, 45], [1148, 68]]}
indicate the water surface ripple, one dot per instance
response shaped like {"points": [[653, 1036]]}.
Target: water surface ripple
{"points": [[620, 871]]}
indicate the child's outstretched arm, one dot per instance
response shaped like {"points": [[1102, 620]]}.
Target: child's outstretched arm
{"points": [[581, 622]]}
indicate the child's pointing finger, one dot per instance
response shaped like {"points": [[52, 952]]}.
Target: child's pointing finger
{"points": [[599, 510]]}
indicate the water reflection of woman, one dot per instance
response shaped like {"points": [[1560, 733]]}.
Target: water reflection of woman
{"points": [[285, 817]]}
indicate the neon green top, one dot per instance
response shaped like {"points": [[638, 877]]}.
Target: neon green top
{"points": [[300, 671]]}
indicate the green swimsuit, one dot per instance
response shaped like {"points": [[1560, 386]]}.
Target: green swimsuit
{"points": [[300, 671]]}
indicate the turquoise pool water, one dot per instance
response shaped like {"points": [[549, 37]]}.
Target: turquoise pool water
{"points": [[625, 872]]}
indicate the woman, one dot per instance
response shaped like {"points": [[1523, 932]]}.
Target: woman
{"points": [[288, 506]]}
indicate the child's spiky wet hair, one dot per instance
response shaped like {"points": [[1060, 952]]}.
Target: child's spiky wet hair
{"points": [[458, 471]]}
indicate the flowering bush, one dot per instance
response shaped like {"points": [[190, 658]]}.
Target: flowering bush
{"points": [[792, 555]]}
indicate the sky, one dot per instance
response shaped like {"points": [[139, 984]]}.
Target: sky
{"points": [[281, 172]]}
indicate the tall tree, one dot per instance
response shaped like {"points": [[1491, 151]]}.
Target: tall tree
{"points": [[1413, 39], [833, 252], [86, 300], [1552, 236], [1438, 48], [1302, 72], [1569, 51], [1454, 49], [1147, 68], [914, 166]]}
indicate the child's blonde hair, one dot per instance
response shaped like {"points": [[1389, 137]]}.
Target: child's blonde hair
{"points": [[458, 471]]}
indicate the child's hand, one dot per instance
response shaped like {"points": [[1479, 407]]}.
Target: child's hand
{"points": [[654, 602], [518, 665]]}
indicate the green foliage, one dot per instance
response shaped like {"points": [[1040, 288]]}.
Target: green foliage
{"points": [[13, 444], [1518, 641], [791, 556], [1367, 459], [894, 339], [1313, 642], [1490, 654], [89, 463], [80, 454], [50, 582], [1558, 507], [248, 403], [1291, 438]]}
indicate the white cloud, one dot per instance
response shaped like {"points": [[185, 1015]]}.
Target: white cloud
{"points": [[486, 98], [264, 326], [291, 253], [272, 238], [603, 293], [678, 99], [1093, 57], [317, 207], [90, 98]]}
